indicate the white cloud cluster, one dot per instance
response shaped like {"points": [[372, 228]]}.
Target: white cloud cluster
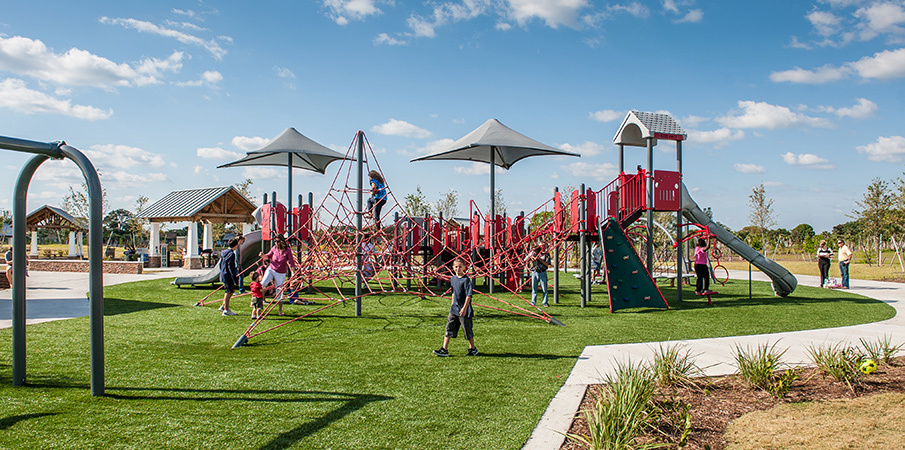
{"points": [[554, 13], [343, 10], [863, 109], [889, 149], [142, 26], [719, 136], [749, 168], [885, 65], [434, 146], [445, 13], [849, 20], [216, 153], [401, 128], [16, 96], [597, 171], [764, 115], [607, 115], [808, 160], [210, 78], [250, 143], [118, 156], [585, 149], [475, 168], [78, 67], [283, 72]]}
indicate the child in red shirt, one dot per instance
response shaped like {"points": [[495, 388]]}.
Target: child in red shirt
{"points": [[257, 296]]}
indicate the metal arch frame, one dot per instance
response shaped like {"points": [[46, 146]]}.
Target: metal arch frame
{"points": [[44, 151]]}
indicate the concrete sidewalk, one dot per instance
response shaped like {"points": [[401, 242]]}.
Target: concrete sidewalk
{"points": [[62, 295], [714, 355]]}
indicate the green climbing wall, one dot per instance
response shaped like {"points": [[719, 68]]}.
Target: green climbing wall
{"points": [[628, 282]]}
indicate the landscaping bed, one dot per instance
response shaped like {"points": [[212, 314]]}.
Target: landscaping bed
{"points": [[716, 402]]}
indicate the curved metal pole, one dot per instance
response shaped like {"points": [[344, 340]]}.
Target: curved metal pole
{"points": [[19, 232], [95, 265]]}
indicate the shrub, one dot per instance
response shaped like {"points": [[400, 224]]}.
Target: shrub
{"points": [[840, 363], [758, 366], [621, 412], [674, 367], [882, 351]]}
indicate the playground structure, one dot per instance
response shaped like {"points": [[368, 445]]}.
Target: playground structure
{"points": [[413, 255]]}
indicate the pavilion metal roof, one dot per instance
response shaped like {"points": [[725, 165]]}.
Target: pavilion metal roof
{"points": [[51, 217], [216, 204]]}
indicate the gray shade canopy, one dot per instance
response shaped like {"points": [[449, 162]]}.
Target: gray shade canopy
{"points": [[290, 148], [494, 143], [497, 145]]}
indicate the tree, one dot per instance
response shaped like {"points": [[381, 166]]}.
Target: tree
{"points": [[802, 232], [761, 215], [499, 203], [119, 224], [6, 217], [137, 225], [244, 188], [448, 205], [416, 204], [77, 204], [876, 214]]}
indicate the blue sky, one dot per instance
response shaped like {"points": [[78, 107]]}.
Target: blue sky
{"points": [[804, 97]]}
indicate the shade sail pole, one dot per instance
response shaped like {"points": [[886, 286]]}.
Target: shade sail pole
{"points": [[289, 200], [492, 215]]}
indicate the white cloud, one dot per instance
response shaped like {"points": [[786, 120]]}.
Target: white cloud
{"points": [[147, 27], [210, 78], [692, 121], [634, 9], [434, 146], [17, 97], [121, 179], [401, 128], [216, 153], [863, 109], [722, 135], [445, 13], [200, 170], [606, 115], [599, 172], [670, 5], [825, 22], [342, 10], [254, 172], [475, 168], [880, 18], [749, 168], [586, 148], [554, 13], [808, 160], [250, 143], [884, 65], [283, 72], [891, 149], [693, 16], [386, 39], [183, 12], [77, 67], [123, 157], [771, 117], [820, 75]]}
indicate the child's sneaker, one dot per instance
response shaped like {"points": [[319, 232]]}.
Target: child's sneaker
{"points": [[227, 312], [441, 352], [472, 352], [220, 308], [254, 317]]}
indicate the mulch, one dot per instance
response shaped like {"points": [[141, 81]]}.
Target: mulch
{"points": [[716, 401]]}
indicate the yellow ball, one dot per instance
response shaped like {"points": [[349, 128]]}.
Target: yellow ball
{"points": [[868, 366]]}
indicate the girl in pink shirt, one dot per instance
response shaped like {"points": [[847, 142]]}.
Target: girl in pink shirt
{"points": [[279, 260], [700, 268]]}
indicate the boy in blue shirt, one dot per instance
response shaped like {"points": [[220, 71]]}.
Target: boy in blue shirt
{"points": [[460, 311]]}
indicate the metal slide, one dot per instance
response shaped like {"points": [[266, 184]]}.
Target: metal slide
{"points": [[783, 280], [248, 251]]}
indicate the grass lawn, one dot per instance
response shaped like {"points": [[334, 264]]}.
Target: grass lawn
{"points": [[336, 381]]}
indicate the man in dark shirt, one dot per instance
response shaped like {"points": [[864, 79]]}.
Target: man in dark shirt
{"points": [[460, 311]]}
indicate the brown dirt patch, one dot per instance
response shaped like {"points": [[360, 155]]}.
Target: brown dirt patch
{"points": [[719, 401]]}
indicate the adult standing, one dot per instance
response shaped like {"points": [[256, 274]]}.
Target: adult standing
{"points": [[229, 275], [823, 262], [845, 258], [540, 262], [278, 260], [9, 265]]}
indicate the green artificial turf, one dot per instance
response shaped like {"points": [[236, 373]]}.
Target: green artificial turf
{"points": [[337, 381]]}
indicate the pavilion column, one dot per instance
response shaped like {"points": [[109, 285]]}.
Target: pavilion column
{"points": [[34, 244], [154, 245], [72, 251], [192, 258], [79, 244], [208, 242]]}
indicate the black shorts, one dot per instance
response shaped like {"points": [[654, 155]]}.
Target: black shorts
{"points": [[229, 285], [257, 302], [454, 321]]}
